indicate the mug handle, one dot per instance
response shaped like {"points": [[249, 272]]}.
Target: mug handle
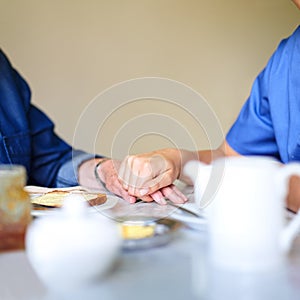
{"points": [[292, 229]]}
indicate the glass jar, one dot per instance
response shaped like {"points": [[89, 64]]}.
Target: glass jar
{"points": [[15, 207]]}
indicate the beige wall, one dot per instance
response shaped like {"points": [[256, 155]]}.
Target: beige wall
{"points": [[70, 51]]}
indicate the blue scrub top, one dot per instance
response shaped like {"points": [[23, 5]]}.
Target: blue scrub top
{"points": [[269, 122]]}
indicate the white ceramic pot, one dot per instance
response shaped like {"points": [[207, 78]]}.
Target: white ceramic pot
{"points": [[71, 247]]}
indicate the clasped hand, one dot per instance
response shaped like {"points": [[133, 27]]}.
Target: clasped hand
{"points": [[150, 176]]}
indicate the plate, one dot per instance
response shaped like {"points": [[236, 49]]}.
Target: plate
{"points": [[39, 210], [190, 215], [143, 232]]}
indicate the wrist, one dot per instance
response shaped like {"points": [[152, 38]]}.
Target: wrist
{"points": [[184, 157], [97, 171]]}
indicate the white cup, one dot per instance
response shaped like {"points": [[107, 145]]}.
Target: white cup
{"points": [[244, 198]]}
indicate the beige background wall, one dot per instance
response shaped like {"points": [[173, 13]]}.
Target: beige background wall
{"points": [[69, 51]]}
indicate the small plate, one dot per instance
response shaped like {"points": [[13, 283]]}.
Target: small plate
{"points": [[143, 232], [40, 210]]}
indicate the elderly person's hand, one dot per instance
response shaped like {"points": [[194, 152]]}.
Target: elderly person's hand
{"points": [[293, 197], [150, 176], [104, 172], [93, 175]]}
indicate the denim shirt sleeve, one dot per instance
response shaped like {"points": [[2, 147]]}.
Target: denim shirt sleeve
{"points": [[27, 135], [68, 172]]}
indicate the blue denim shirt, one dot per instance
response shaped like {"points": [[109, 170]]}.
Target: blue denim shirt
{"points": [[269, 122], [27, 135]]}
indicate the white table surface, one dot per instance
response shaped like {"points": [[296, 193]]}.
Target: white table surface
{"points": [[177, 270]]}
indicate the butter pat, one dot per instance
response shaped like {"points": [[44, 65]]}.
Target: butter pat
{"points": [[137, 231]]}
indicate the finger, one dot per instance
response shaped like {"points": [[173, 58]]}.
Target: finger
{"points": [[140, 175], [120, 191], [158, 165], [151, 172], [133, 170], [173, 194], [159, 198], [147, 198], [133, 174], [155, 184], [129, 198], [123, 173], [114, 186], [180, 194]]}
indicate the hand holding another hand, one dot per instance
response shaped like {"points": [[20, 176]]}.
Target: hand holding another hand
{"points": [[150, 176]]}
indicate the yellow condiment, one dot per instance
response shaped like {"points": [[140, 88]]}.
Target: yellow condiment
{"points": [[137, 231]]}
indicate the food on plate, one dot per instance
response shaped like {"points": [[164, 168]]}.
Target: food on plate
{"points": [[137, 231], [55, 198]]}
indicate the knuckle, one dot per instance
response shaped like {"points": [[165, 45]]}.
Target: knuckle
{"points": [[167, 177], [154, 187], [131, 191], [139, 162], [132, 159]]}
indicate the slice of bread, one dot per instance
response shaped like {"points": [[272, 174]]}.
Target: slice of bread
{"points": [[55, 198]]}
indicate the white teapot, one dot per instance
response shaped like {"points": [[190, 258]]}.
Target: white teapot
{"points": [[71, 248], [244, 198]]}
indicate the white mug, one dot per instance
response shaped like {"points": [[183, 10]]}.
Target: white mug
{"points": [[244, 199]]}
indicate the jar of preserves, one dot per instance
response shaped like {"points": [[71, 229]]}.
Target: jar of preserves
{"points": [[15, 207]]}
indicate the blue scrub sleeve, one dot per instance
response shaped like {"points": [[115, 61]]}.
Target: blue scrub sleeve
{"points": [[253, 132]]}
